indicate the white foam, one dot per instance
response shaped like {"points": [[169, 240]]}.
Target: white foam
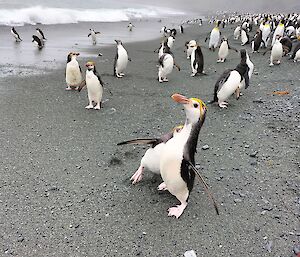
{"points": [[45, 15]]}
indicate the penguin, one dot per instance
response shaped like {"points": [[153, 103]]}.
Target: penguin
{"points": [[93, 34], [278, 31], [296, 53], [223, 50], [166, 63], [237, 32], [37, 41], [170, 41], [250, 72], [214, 37], [266, 34], [257, 41], [73, 72], [40, 34], [151, 159], [121, 60], [173, 32], [94, 86], [244, 37], [189, 48], [177, 162], [181, 29], [229, 82], [130, 26], [15, 34], [197, 62], [287, 45], [276, 52], [164, 48]]}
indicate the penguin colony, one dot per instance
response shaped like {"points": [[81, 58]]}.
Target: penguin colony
{"points": [[173, 155]]}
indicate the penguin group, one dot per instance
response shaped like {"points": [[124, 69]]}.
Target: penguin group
{"points": [[37, 39]]}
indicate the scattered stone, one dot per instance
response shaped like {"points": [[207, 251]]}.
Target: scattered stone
{"points": [[254, 163], [269, 246], [20, 239], [237, 200], [205, 147], [190, 253], [253, 154]]}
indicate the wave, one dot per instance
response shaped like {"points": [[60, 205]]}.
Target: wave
{"points": [[45, 15]]}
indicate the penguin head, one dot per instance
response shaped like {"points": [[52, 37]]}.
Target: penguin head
{"points": [[119, 42], [90, 65], [72, 55], [195, 109], [192, 44]]}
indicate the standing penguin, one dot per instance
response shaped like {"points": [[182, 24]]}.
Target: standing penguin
{"points": [[166, 63], [224, 49], [181, 29], [237, 32], [257, 41], [73, 72], [130, 26], [151, 159], [121, 60], [214, 37], [276, 52], [93, 34], [94, 86], [189, 48], [37, 41], [170, 41], [278, 31], [250, 72], [15, 34], [197, 62], [40, 34], [244, 37], [266, 34], [177, 163], [229, 82]]}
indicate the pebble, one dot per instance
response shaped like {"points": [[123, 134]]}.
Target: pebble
{"points": [[205, 147], [269, 246], [253, 154]]}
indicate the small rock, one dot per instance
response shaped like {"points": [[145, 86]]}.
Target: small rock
{"points": [[269, 246], [20, 239], [190, 253], [254, 163], [253, 154], [237, 200], [205, 147]]}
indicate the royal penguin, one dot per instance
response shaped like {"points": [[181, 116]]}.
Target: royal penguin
{"points": [[214, 37], [15, 34], [224, 50], [121, 60], [39, 42], [276, 52], [177, 162], [243, 84], [93, 35], [237, 32], [244, 37], [170, 41], [40, 34], [73, 72], [266, 34], [230, 82], [197, 61], [165, 66], [94, 86], [296, 53], [257, 41], [278, 31], [151, 159], [130, 26], [189, 48]]}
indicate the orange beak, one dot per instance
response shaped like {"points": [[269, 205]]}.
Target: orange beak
{"points": [[180, 99]]}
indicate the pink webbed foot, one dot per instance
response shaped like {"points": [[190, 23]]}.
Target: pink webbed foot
{"points": [[162, 187], [137, 176], [223, 104], [177, 211]]}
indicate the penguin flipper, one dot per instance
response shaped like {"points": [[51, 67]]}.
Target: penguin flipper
{"points": [[89, 34], [222, 79], [81, 85], [205, 186], [140, 141]]}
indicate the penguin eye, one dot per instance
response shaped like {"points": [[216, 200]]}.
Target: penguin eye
{"points": [[196, 105]]}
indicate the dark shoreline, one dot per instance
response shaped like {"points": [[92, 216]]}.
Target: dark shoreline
{"points": [[64, 184]]}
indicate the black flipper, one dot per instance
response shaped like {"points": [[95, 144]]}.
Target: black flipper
{"points": [[115, 62], [222, 79], [161, 60], [89, 34], [246, 76], [81, 85], [140, 141], [205, 187]]}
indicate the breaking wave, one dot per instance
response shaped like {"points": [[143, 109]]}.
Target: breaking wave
{"points": [[46, 15]]}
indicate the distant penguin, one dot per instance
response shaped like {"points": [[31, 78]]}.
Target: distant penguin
{"points": [[40, 34], [93, 35], [73, 72], [151, 159], [250, 72], [189, 48], [237, 32], [244, 37], [164, 48], [224, 50], [278, 31], [181, 29], [94, 86], [130, 26], [166, 63], [214, 37], [296, 53], [197, 62], [257, 41], [266, 34], [38, 41], [177, 162], [15, 34], [276, 52], [230, 81], [121, 60]]}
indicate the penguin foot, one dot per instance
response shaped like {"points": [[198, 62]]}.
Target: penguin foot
{"points": [[271, 64], [90, 106], [97, 107], [165, 80], [177, 211], [278, 62], [223, 104], [121, 74], [193, 74], [137, 176], [68, 88], [162, 187]]}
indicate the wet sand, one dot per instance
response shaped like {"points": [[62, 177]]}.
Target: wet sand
{"points": [[64, 184]]}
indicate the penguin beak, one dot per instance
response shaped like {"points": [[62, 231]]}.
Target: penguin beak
{"points": [[180, 99], [77, 54]]}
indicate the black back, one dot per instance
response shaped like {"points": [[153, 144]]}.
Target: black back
{"points": [[199, 60]]}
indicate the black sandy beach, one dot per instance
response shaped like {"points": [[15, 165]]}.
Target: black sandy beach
{"points": [[64, 184]]}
